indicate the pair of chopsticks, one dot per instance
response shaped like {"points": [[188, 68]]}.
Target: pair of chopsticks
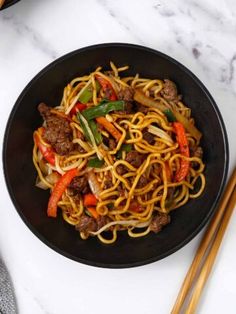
{"points": [[207, 251]]}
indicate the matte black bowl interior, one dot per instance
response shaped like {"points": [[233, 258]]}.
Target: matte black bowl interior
{"points": [[8, 3], [31, 202]]}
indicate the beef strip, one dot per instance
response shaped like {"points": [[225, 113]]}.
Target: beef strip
{"points": [[121, 169], [108, 184], [169, 91], [112, 144], [159, 221], [196, 151], [109, 142], [142, 182], [86, 224], [134, 158], [148, 137], [79, 148], [126, 94], [141, 108], [58, 132], [79, 185], [102, 221]]}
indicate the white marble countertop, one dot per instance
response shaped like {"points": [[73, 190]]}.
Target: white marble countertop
{"points": [[201, 35]]}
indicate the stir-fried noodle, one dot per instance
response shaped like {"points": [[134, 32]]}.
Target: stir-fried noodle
{"points": [[118, 153]]}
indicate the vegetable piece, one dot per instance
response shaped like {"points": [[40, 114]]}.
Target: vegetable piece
{"points": [[40, 184], [87, 94], [160, 133], [170, 116], [149, 102], [110, 206], [124, 148], [97, 135], [94, 184], [102, 109], [93, 212], [90, 200], [95, 163], [88, 133], [46, 151], [51, 178], [78, 107], [109, 127], [106, 86], [58, 191], [188, 126], [184, 150], [90, 129], [84, 127]]}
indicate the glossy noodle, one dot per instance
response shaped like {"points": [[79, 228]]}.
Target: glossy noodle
{"points": [[118, 153]]}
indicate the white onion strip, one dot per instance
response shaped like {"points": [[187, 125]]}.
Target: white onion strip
{"points": [[160, 133], [134, 223]]}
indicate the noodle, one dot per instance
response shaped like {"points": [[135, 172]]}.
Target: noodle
{"points": [[134, 162]]}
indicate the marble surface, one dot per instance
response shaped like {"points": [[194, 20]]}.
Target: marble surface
{"points": [[201, 35]]}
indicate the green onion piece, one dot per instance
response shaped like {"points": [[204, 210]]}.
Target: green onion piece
{"points": [[110, 206], [87, 213], [103, 109], [97, 135], [83, 126], [87, 94], [95, 163], [124, 148], [170, 116], [104, 101]]}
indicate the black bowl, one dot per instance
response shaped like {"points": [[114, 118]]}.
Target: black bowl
{"points": [[31, 202], [8, 3]]}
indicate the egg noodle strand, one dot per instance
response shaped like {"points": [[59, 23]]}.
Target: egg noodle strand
{"points": [[158, 194]]}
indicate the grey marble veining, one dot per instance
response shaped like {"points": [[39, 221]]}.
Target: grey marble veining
{"points": [[35, 38]]}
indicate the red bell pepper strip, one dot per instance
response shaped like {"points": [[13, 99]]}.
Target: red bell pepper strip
{"points": [[90, 200], [93, 212], [78, 107], [59, 189], [109, 127], [46, 151], [107, 87], [184, 150]]}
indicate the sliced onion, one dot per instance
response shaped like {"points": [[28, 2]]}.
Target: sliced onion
{"points": [[43, 166], [40, 184], [52, 179], [140, 97], [94, 184], [160, 133]]}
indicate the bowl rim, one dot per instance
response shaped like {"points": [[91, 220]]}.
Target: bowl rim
{"points": [[214, 204]]}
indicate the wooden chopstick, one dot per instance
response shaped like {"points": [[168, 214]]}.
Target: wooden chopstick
{"points": [[211, 239]]}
